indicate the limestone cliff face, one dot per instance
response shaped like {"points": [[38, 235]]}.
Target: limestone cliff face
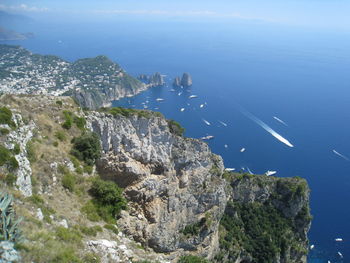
{"points": [[186, 80], [169, 181], [181, 201]]}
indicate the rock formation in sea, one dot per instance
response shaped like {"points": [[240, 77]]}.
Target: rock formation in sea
{"points": [[177, 82], [186, 80]]}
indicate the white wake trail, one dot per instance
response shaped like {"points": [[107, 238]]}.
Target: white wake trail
{"points": [[267, 128], [341, 155], [279, 120]]}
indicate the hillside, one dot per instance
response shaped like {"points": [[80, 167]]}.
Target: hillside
{"points": [[65, 167]]}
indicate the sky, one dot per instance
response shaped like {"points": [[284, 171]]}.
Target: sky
{"points": [[332, 14]]}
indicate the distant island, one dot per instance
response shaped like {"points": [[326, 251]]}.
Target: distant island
{"points": [[185, 81], [6, 34]]}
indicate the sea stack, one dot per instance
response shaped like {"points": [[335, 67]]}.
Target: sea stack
{"points": [[156, 80], [177, 82], [186, 80]]}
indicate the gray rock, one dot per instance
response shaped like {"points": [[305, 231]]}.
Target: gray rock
{"points": [[177, 82], [8, 254], [186, 80]]}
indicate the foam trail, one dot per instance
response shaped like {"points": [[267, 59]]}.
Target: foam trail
{"points": [[341, 155], [279, 120], [267, 128]]}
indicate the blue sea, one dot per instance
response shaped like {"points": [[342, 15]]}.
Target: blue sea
{"points": [[300, 75]]}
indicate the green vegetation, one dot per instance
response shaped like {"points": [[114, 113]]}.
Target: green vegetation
{"points": [[40, 203], [6, 117], [68, 182], [195, 229], [87, 148], [259, 229], [31, 154], [131, 112], [80, 122], [7, 159], [68, 119], [90, 231], [175, 128], [107, 201], [112, 228], [61, 135], [10, 179], [59, 102], [192, 259], [70, 235], [4, 131], [16, 149], [9, 223]]}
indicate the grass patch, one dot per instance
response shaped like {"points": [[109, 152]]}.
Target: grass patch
{"points": [[112, 228], [6, 117], [31, 152], [192, 259], [61, 135]]}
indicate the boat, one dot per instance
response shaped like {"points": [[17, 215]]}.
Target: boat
{"points": [[230, 169], [338, 239], [179, 94], [226, 146], [201, 106], [209, 137], [242, 150], [312, 247], [159, 99], [182, 109], [340, 254], [206, 122], [268, 173], [193, 96], [223, 123]]}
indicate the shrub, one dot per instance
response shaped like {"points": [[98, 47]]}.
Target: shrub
{"points": [[17, 149], [59, 102], [9, 229], [12, 163], [10, 179], [31, 155], [194, 229], [70, 235], [90, 231], [68, 182], [60, 135], [68, 119], [80, 122], [5, 155], [175, 127], [6, 117], [4, 131], [108, 199], [112, 228], [91, 258], [90, 209], [88, 169], [87, 148], [66, 256]]}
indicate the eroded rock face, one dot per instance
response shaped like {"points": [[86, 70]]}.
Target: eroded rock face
{"points": [[186, 80], [171, 182], [21, 136]]}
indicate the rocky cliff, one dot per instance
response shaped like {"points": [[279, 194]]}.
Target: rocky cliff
{"points": [[186, 80], [180, 200]]}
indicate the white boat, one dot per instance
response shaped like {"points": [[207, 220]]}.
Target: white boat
{"points": [[159, 99], [230, 169], [268, 173], [206, 122], [179, 94], [312, 247], [193, 96], [242, 150], [207, 137], [226, 146], [201, 106], [182, 109], [172, 90], [223, 123], [338, 239], [340, 254]]}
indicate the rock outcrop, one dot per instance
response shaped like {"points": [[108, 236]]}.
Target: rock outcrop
{"points": [[179, 195], [172, 183], [177, 82], [186, 80]]}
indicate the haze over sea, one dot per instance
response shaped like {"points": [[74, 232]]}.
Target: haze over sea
{"points": [[299, 75]]}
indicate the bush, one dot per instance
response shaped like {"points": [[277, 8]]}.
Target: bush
{"points": [[61, 136], [68, 182], [59, 102], [17, 149], [192, 259], [5, 155], [80, 122], [31, 155], [68, 120], [4, 131], [112, 228], [108, 199], [87, 148], [6, 117], [194, 229], [175, 127], [70, 235], [12, 163], [10, 179], [90, 231]]}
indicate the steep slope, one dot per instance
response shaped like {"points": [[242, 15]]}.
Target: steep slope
{"points": [[179, 199]]}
